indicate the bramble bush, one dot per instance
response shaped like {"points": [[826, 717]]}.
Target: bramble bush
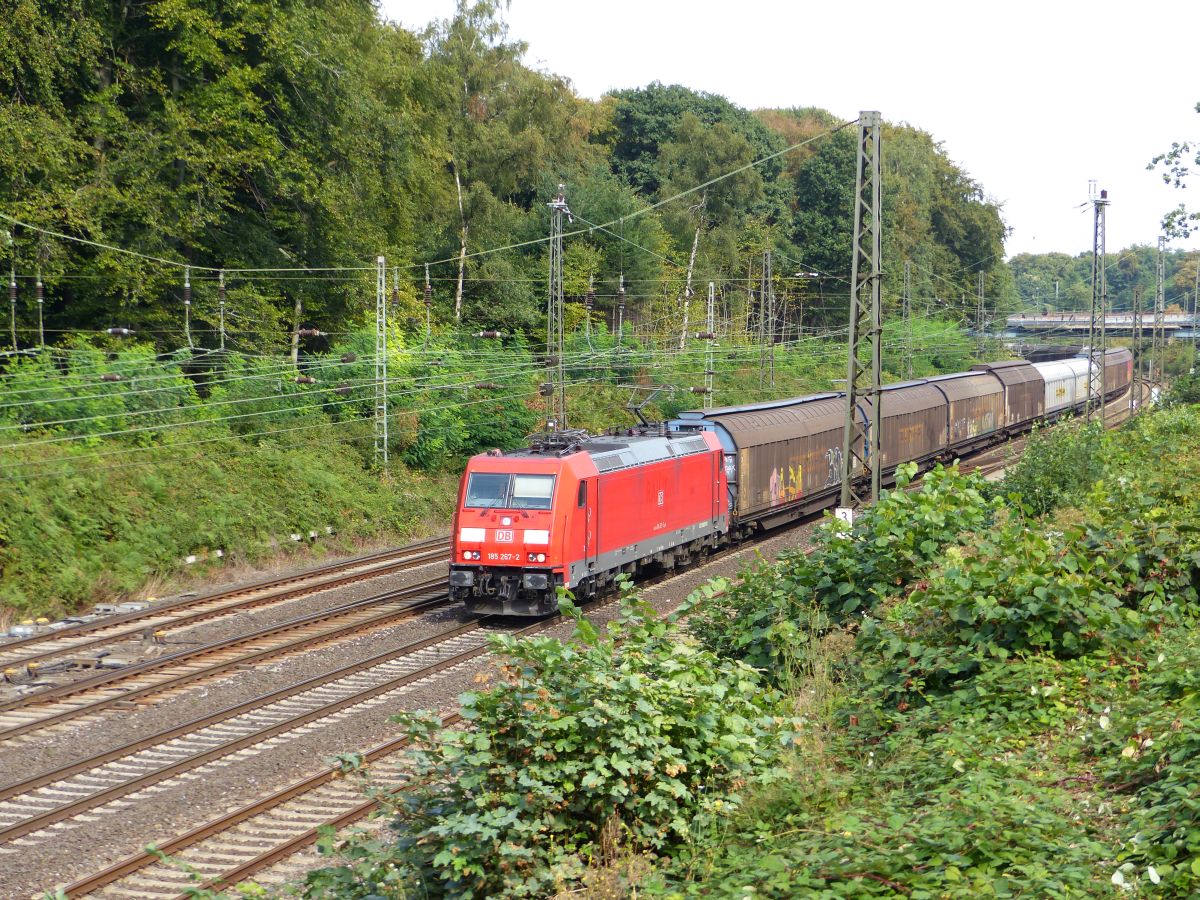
{"points": [[847, 572], [1149, 750], [1058, 466], [633, 735]]}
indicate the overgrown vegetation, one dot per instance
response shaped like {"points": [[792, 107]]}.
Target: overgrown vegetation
{"points": [[967, 699], [633, 735]]}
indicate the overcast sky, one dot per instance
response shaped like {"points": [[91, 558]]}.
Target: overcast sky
{"points": [[1032, 99]]}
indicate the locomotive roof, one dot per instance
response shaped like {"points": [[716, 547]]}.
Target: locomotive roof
{"points": [[619, 451]]}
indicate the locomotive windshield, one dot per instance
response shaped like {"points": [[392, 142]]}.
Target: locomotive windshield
{"points": [[532, 491], [494, 490]]}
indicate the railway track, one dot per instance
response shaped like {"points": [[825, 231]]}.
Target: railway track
{"points": [[15, 655], [59, 797], [120, 689], [261, 834]]}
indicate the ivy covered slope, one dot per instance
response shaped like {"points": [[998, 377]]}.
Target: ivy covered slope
{"points": [[958, 697]]}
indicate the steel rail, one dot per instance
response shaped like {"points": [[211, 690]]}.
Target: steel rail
{"points": [[58, 814], [174, 682], [137, 861], [407, 561]]}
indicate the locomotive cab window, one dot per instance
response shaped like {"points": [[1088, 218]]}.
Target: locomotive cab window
{"points": [[486, 489], [582, 494], [532, 491]]}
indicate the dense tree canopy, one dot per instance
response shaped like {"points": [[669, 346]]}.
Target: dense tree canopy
{"points": [[275, 134]]}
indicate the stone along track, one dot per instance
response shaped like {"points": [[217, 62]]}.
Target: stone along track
{"points": [[118, 689], [42, 806], [16, 655], [254, 837]]}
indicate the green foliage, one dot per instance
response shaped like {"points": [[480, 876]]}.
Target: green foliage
{"points": [[847, 572], [1184, 389], [1058, 466], [633, 735], [73, 532], [1148, 748], [1177, 170]]}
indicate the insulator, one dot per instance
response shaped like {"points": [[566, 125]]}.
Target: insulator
{"points": [[705, 335], [700, 390], [40, 291], [221, 289], [111, 376], [710, 371], [119, 332], [12, 291], [349, 357], [310, 332], [436, 362], [305, 379], [590, 300], [395, 296], [343, 389], [428, 295], [547, 389], [489, 334], [487, 386], [552, 359], [187, 289]]}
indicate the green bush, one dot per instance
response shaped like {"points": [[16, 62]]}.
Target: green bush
{"points": [[1148, 747], [1058, 466], [847, 572], [634, 736]]}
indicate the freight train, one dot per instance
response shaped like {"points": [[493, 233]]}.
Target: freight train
{"points": [[575, 511]]}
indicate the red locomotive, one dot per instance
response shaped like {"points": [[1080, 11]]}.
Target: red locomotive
{"points": [[575, 511]]}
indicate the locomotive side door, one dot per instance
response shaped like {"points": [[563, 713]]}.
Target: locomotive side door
{"points": [[589, 509]]}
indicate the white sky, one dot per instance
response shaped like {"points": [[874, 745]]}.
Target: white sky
{"points": [[1032, 99]]}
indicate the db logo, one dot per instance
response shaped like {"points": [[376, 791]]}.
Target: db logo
{"points": [[504, 536], [660, 498]]}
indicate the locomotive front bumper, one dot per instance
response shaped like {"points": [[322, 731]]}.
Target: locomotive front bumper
{"points": [[504, 591]]}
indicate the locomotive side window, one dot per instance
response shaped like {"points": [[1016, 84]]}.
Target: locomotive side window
{"points": [[486, 489], [582, 494], [532, 491]]}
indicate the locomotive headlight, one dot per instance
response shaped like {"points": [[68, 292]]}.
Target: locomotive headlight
{"points": [[506, 521]]}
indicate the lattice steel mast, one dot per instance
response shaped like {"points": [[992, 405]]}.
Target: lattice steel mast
{"points": [[908, 321], [863, 379], [556, 403], [1135, 387], [381, 375], [1096, 330], [710, 327], [1158, 338]]}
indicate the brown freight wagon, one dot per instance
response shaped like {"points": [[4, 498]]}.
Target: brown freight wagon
{"points": [[975, 408], [913, 423], [783, 459], [1118, 370], [1024, 391]]}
